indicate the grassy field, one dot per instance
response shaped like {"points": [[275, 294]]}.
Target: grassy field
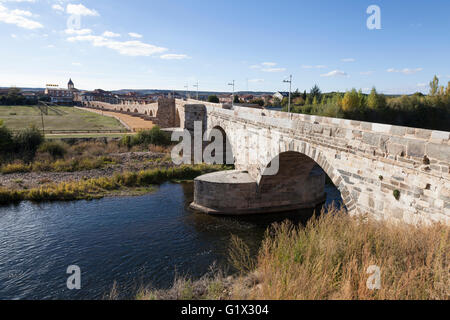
{"points": [[58, 118]]}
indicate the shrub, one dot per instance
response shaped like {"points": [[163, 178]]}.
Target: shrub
{"points": [[27, 142], [55, 149], [155, 136], [6, 141]]}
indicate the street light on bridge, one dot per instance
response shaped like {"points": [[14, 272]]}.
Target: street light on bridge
{"points": [[232, 99], [196, 86], [290, 89]]}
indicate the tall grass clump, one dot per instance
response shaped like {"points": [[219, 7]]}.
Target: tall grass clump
{"points": [[331, 256], [56, 149], [154, 136]]}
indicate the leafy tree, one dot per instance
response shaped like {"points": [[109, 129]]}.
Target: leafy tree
{"points": [[315, 92], [373, 99], [213, 99], [299, 101], [304, 95], [236, 99], [276, 102], [351, 101], [434, 86], [308, 101], [259, 102]]}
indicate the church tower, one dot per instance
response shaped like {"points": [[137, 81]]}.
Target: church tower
{"points": [[70, 85]]}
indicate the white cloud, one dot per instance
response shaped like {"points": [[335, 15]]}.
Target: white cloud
{"points": [[256, 80], [78, 64], [269, 64], [406, 71], [127, 48], [79, 32], [135, 35], [422, 85], [58, 7], [110, 34], [274, 69], [334, 73], [267, 67], [314, 67], [348, 60], [80, 10], [19, 18], [172, 56]]}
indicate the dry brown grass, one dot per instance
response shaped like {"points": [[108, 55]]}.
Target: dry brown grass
{"points": [[329, 259]]}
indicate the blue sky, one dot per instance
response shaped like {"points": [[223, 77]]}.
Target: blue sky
{"points": [[168, 44]]}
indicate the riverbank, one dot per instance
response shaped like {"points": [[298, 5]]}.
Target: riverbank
{"points": [[92, 170], [334, 257], [120, 183]]}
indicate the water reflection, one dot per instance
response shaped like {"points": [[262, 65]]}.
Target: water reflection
{"points": [[134, 241]]}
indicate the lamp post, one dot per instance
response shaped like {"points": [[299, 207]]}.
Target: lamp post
{"points": [[187, 90], [196, 86], [290, 89], [232, 99]]}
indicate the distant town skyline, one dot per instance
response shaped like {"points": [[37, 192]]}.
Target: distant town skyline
{"points": [[170, 45]]}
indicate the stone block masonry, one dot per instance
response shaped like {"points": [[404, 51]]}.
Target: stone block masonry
{"points": [[369, 163]]}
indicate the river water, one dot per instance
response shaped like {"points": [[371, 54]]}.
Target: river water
{"points": [[130, 241]]}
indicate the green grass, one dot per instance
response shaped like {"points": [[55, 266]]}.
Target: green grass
{"points": [[85, 135], [58, 118]]}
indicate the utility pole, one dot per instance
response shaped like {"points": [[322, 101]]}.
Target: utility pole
{"points": [[290, 89], [187, 90], [196, 86], [232, 97]]}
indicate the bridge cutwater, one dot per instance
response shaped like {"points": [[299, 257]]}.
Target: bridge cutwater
{"points": [[386, 171]]}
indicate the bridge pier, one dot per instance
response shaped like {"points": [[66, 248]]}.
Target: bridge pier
{"points": [[237, 193]]}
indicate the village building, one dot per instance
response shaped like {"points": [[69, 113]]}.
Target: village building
{"points": [[61, 96]]}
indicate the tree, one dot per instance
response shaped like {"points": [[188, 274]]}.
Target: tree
{"points": [[276, 102], [259, 102], [372, 100], [213, 99], [299, 101], [236, 99], [308, 101], [304, 95], [14, 95], [315, 92], [351, 101], [434, 86]]}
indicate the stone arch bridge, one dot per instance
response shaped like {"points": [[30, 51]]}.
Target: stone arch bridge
{"points": [[386, 171]]}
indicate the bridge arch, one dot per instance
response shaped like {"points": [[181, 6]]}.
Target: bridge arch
{"points": [[227, 154], [298, 169]]}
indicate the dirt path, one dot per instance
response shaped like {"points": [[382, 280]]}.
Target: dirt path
{"points": [[132, 122]]}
